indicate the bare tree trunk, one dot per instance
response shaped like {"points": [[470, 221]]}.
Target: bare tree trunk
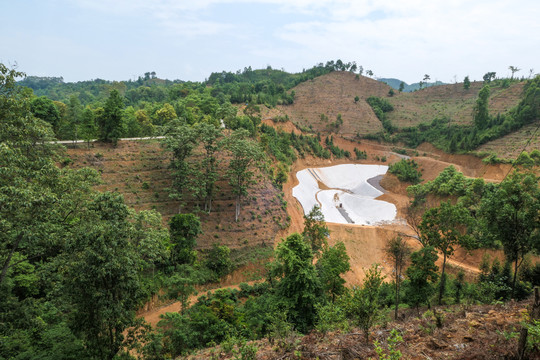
{"points": [[443, 279], [237, 213], [515, 277], [397, 293]]}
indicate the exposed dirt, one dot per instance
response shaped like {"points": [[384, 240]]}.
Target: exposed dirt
{"points": [[334, 94], [510, 146], [139, 171], [451, 101], [465, 332], [365, 244]]}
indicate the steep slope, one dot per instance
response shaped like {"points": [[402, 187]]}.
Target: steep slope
{"points": [[139, 171], [451, 101], [334, 94], [511, 145]]}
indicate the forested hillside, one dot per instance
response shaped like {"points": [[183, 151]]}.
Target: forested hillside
{"points": [[93, 235]]}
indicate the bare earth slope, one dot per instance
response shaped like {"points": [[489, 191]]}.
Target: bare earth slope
{"points": [[139, 171], [511, 145], [451, 101], [334, 94]]}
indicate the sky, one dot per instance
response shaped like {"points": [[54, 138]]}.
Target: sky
{"points": [[190, 39]]}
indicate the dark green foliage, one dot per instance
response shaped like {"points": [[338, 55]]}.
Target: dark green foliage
{"points": [[380, 108], [454, 138], [335, 150], [315, 230], [449, 182], [110, 122], [512, 216], [299, 287], [406, 170], [466, 83], [44, 109], [102, 278], [363, 305], [444, 228], [278, 144], [488, 77], [360, 154], [422, 274], [481, 114], [219, 260], [333, 262], [184, 229], [180, 140]]}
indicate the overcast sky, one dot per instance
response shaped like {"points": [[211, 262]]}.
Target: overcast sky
{"points": [[187, 40]]}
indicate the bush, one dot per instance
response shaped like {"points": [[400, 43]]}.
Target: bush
{"points": [[406, 170], [219, 260]]}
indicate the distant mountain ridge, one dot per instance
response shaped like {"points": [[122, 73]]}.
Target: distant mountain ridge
{"points": [[395, 83]]}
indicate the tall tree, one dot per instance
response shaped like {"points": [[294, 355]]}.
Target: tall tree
{"points": [[101, 277], [44, 109], [184, 229], [422, 274], [481, 113], [315, 230], [246, 155], [110, 123], [513, 69], [209, 137], [299, 286], [180, 140], [398, 251], [334, 261], [364, 304], [488, 77], [466, 83], [512, 216], [88, 130], [444, 228]]}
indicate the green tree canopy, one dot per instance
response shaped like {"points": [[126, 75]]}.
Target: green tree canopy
{"points": [[299, 287], [110, 122], [315, 230], [512, 216], [444, 228]]}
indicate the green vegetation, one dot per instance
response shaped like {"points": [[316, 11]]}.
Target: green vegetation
{"points": [[360, 154], [406, 170], [77, 264], [335, 150], [380, 108], [453, 138]]}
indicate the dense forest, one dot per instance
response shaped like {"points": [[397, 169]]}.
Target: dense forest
{"points": [[76, 264]]}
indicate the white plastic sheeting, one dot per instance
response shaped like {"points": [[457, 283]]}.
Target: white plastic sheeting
{"points": [[350, 198]]}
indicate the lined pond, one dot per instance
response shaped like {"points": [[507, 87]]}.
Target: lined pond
{"points": [[346, 193]]}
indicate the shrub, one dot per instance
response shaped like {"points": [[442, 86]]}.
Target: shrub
{"points": [[406, 170]]}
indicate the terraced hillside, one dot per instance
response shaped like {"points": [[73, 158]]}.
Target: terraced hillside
{"points": [[334, 94], [511, 145], [319, 101], [451, 101], [139, 171]]}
